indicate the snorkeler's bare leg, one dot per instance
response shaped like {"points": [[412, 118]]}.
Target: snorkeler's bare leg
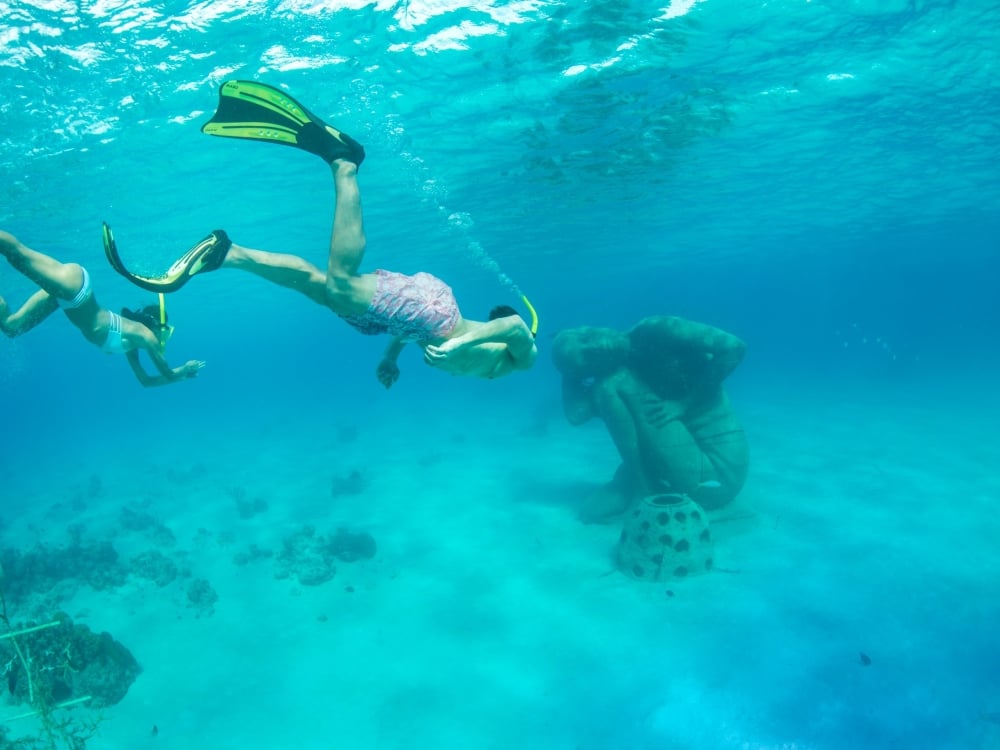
{"points": [[38, 307], [347, 241], [61, 280], [283, 269]]}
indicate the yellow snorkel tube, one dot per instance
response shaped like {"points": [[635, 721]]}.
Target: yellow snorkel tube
{"points": [[166, 331], [534, 316]]}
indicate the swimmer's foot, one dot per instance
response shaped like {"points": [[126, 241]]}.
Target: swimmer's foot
{"points": [[334, 144], [207, 255]]}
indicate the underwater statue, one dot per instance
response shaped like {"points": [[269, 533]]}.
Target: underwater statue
{"points": [[658, 389]]}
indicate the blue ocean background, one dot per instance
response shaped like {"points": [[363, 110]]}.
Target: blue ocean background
{"points": [[819, 178]]}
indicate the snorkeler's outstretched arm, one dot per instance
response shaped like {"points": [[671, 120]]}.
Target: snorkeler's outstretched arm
{"points": [[520, 341], [388, 371], [167, 374], [510, 331]]}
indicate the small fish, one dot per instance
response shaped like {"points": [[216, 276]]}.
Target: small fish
{"points": [[864, 658], [993, 717], [156, 731], [710, 484]]}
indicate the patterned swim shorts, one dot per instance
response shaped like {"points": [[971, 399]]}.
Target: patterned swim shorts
{"points": [[417, 308]]}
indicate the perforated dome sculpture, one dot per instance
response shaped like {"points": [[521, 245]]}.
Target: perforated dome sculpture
{"points": [[665, 537]]}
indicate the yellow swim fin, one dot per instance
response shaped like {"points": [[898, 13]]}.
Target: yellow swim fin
{"points": [[207, 255], [258, 112]]}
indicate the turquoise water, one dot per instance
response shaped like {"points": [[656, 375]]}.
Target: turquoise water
{"points": [[819, 178]]}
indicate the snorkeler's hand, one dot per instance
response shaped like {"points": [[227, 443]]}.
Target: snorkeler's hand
{"points": [[387, 372], [190, 369], [435, 354]]}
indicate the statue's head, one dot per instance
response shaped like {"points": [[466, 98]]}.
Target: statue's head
{"points": [[585, 356], [586, 352]]}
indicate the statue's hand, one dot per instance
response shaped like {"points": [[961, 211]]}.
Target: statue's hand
{"points": [[659, 413]]}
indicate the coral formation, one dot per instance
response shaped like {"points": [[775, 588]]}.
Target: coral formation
{"points": [[70, 661], [352, 483], [246, 506], [42, 568], [154, 566], [55, 665], [202, 596], [252, 554], [312, 557], [140, 520]]}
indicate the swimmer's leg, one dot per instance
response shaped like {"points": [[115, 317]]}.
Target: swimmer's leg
{"points": [[61, 280], [39, 306], [347, 240], [283, 269]]}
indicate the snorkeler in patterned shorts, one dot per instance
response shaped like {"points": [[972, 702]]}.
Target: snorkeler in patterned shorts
{"points": [[418, 308]]}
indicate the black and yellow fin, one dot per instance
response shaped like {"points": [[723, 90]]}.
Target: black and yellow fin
{"points": [[206, 255], [258, 112]]}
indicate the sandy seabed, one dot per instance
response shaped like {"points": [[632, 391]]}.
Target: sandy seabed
{"points": [[491, 618]]}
